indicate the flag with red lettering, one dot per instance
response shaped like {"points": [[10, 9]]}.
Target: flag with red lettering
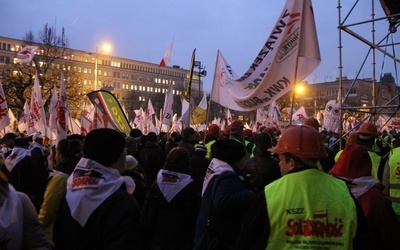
{"points": [[62, 111], [86, 125], [139, 119], [167, 57], [25, 55], [4, 117], [290, 54], [37, 108]]}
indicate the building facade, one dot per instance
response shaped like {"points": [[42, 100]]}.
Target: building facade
{"points": [[132, 82]]}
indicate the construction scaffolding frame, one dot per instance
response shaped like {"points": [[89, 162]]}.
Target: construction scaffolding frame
{"points": [[375, 45]]}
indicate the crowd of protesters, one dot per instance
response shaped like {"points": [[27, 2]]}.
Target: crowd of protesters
{"points": [[215, 189]]}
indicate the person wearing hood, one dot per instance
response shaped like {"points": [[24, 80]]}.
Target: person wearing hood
{"points": [[354, 167], [99, 211], [226, 196]]}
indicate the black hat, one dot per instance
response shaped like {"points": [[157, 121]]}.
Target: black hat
{"points": [[188, 132], [151, 136], [103, 145], [21, 142]]}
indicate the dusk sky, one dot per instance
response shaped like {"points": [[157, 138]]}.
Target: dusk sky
{"points": [[143, 30]]}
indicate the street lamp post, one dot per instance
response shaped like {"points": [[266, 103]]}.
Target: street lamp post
{"points": [[104, 48], [202, 72]]}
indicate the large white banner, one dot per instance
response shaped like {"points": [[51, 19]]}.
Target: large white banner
{"points": [[291, 49]]}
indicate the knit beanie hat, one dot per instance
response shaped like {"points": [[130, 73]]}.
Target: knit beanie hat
{"points": [[103, 145], [353, 163], [131, 162]]}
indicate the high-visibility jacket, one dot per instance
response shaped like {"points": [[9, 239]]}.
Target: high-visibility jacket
{"points": [[208, 146], [394, 179], [310, 210], [375, 160]]}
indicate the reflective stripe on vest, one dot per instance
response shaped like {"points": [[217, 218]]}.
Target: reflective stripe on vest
{"points": [[310, 210], [394, 179]]}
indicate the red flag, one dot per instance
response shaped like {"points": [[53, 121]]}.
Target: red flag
{"points": [[167, 57]]}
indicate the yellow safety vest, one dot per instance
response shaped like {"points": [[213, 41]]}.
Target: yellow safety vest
{"points": [[375, 160], [394, 180], [310, 210], [208, 146]]}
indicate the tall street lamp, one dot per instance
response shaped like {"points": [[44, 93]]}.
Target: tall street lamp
{"points": [[202, 72], [104, 48]]}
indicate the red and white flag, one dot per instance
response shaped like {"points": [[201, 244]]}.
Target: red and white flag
{"points": [[62, 111], [289, 55], [167, 57], [13, 122], [25, 55], [4, 117], [37, 108], [53, 109], [139, 119], [229, 117], [86, 125]]}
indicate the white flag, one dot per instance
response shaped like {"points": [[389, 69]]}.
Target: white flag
{"points": [[36, 107], [291, 48], [25, 55], [23, 122], [138, 121], [53, 109], [86, 125], [13, 123], [4, 117], [168, 107], [228, 117], [149, 125], [62, 111]]}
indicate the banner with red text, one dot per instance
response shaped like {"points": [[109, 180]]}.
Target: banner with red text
{"points": [[290, 54]]}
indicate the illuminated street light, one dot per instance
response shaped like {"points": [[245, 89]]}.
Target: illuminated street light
{"points": [[105, 48]]}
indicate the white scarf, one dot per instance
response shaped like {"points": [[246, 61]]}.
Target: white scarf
{"points": [[171, 183], [216, 167], [89, 185], [37, 145], [11, 213], [360, 185], [16, 156]]}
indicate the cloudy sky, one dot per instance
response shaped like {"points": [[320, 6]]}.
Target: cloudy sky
{"points": [[143, 30]]}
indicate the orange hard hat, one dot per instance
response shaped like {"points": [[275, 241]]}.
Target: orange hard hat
{"points": [[213, 128], [301, 141], [368, 129]]}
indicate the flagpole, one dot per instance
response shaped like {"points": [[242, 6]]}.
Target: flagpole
{"points": [[209, 102], [189, 89], [297, 64]]}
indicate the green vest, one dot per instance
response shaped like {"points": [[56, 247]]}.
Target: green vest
{"points": [[394, 180], [375, 160], [208, 146], [310, 210]]}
